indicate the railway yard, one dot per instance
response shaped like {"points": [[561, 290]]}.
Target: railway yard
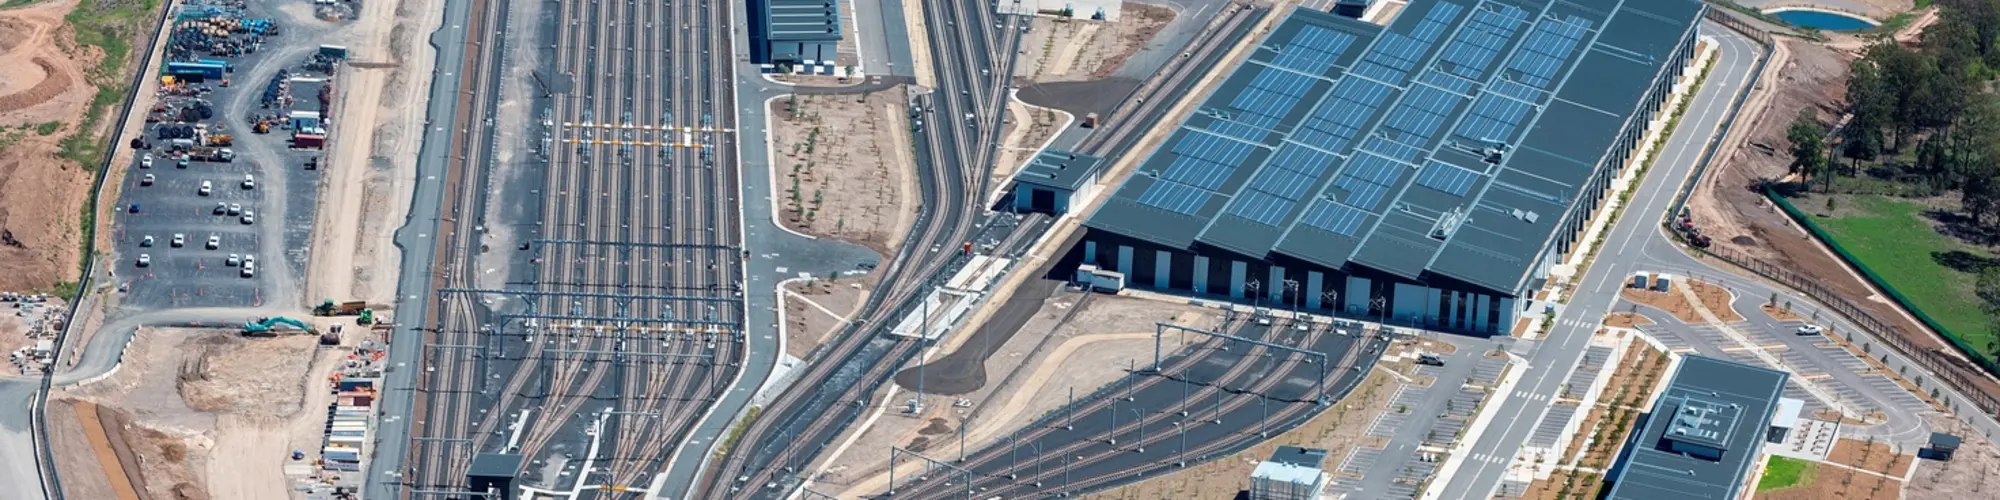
{"points": [[621, 321], [638, 264]]}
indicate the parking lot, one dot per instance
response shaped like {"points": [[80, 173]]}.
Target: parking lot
{"points": [[265, 126]]}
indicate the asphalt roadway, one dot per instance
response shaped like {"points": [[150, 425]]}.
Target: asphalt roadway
{"points": [[414, 240], [1636, 243]]}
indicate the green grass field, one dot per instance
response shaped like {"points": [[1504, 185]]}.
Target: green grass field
{"points": [[1785, 473], [1894, 238]]}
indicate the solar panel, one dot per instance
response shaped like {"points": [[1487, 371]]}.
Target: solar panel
{"points": [[1510, 88], [1446, 81], [1373, 169], [1281, 81], [1447, 178], [1435, 21], [1260, 207], [1543, 53], [1303, 160], [1396, 150], [1313, 49], [1339, 118], [1281, 182], [1362, 193], [1174, 197], [1212, 147], [1493, 118], [1422, 110], [1482, 38], [1238, 130], [1339, 219]]}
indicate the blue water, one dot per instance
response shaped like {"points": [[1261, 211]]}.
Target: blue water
{"points": [[1824, 21]]}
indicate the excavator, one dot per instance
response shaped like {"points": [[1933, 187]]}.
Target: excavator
{"points": [[273, 326]]}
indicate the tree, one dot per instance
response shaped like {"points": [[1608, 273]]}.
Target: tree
{"points": [[1988, 286], [1808, 140], [1869, 107]]}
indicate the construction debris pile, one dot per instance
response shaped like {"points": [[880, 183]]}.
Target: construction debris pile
{"points": [[41, 321]]}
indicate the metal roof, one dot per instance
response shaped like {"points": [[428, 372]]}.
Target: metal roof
{"points": [[1285, 473], [494, 465], [803, 20], [1450, 142], [1059, 168], [1710, 402]]}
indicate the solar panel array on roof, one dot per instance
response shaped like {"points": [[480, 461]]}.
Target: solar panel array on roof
{"points": [[1339, 118], [1493, 118], [1337, 218], [1272, 94], [1394, 54], [1421, 112], [1206, 160], [1482, 38], [1174, 198], [1546, 48], [1447, 178], [1276, 189], [1339, 148], [1366, 179], [1313, 49]]}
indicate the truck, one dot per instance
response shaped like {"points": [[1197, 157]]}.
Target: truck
{"points": [[220, 155], [272, 326], [349, 308], [221, 140]]}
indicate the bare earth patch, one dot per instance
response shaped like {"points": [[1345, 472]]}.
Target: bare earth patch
{"points": [[1070, 50], [1022, 143], [1715, 298], [42, 99], [815, 309], [843, 166], [1973, 472], [196, 414], [1625, 320]]}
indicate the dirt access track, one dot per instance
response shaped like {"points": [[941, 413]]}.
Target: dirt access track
{"points": [[43, 97]]}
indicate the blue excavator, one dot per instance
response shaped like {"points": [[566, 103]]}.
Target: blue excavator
{"points": [[273, 326], [276, 325]]}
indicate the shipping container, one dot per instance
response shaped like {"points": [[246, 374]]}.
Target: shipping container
{"points": [[308, 141]]}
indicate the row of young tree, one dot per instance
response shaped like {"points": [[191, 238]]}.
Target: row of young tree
{"points": [[1922, 115]]}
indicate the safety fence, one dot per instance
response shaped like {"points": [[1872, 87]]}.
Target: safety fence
{"points": [[1948, 363]]}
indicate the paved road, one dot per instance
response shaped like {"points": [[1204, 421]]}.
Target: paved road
{"points": [[414, 240], [19, 476], [776, 254]]}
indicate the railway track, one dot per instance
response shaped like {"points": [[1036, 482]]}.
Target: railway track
{"points": [[1015, 481], [1128, 118], [441, 424], [636, 300]]}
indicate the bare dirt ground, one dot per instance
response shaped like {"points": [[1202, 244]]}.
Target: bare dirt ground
{"points": [[1625, 320], [1073, 50], [1336, 430], [366, 186], [1882, 458], [200, 413], [1714, 297], [1022, 143], [1972, 472], [843, 166], [1032, 374], [815, 309], [43, 97]]}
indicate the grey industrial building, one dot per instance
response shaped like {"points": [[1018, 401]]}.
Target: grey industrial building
{"points": [[1431, 171], [1056, 181], [802, 35], [1703, 434]]}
